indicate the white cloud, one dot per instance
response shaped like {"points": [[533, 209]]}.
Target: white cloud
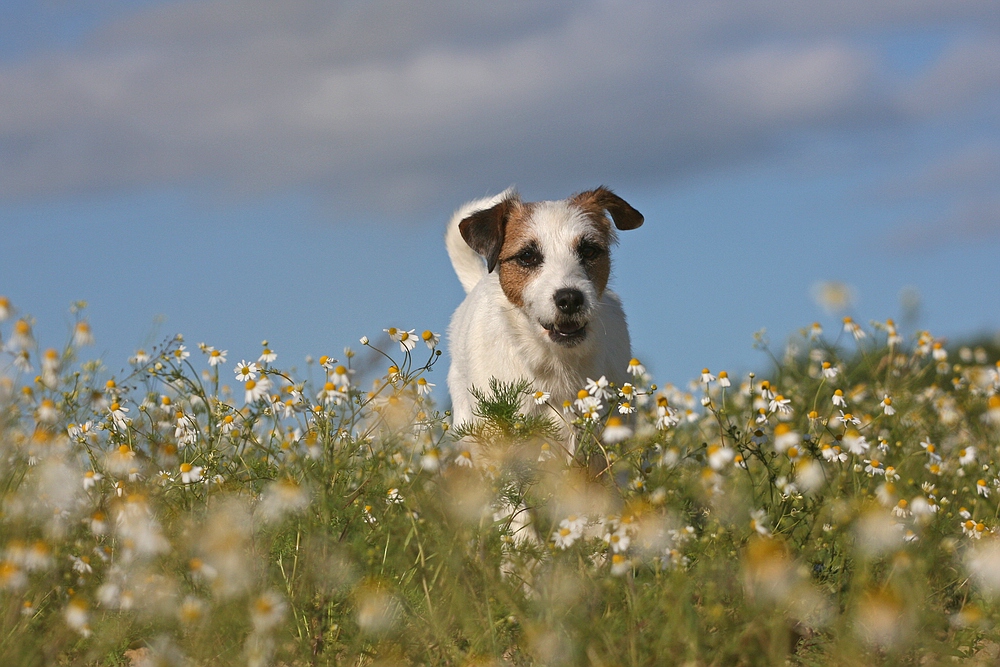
{"points": [[397, 106]]}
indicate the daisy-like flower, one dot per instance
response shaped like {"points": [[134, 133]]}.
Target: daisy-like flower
{"points": [[635, 368], [216, 357], [424, 387], [91, 478], [407, 339], [246, 371], [625, 408], [982, 489], [856, 443], [967, 456], [139, 358], [22, 338], [891, 474], [848, 418], [256, 389], [431, 460], [931, 450], [887, 405], [815, 331], [267, 356], [724, 379], [82, 335], [758, 523], [894, 338], [838, 399], [330, 394], [851, 327], [829, 371], [545, 453], [540, 397], [180, 354], [901, 509], [874, 467], [118, 416], [430, 338], [5, 308], [586, 403], [393, 497], [973, 529], [190, 473], [938, 352], [706, 376], [719, 456], [765, 390], [615, 431], [268, 611], [833, 453], [666, 416], [464, 459], [47, 411], [620, 564], [340, 375], [785, 437], [227, 423], [780, 404], [77, 616], [618, 540], [598, 388]]}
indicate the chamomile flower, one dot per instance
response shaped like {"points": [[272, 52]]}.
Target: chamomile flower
{"points": [[938, 352], [180, 354], [635, 368], [540, 397], [82, 335], [724, 379], [118, 416], [829, 371], [967, 456], [430, 338], [625, 408], [931, 450], [21, 338], [615, 431], [256, 389], [407, 339], [851, 327], [91, 478], [618, 540], [190, 473], [982, 489], [268, 611], [331, 394], [719, 456], [780, 404], [216, 357], [139, 358], [424, 387], [464, 459], [267, 356], [886, 405], [599, 388], [759, 523], [5, 308], [706, 376], [340, 375], [246, 371], [838, 399], [874, 467]]}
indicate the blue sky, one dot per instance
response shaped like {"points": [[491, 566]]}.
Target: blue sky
{"points": [[238, 170]]}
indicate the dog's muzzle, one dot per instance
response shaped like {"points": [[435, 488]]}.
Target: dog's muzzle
{"points": [[568, 331]]}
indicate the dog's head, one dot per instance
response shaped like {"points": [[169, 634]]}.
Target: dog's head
{"points": [[553, 257]]}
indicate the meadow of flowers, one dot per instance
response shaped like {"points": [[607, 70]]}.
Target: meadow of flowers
{"points": [[197, 507]]}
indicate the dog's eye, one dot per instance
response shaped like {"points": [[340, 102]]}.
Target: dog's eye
{"points": [[529, 257], [589, 251]]}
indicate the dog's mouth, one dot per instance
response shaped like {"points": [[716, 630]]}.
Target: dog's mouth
{"points": [[566, 333]]}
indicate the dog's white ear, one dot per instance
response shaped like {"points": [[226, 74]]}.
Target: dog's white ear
{"points": [[602, 198], [484, 231]]}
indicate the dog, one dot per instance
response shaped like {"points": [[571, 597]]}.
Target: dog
{"points": [[537, 303]]}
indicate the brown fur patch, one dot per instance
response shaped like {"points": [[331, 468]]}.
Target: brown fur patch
{"points": [[595, 202], [514, 278], [599, 270]]}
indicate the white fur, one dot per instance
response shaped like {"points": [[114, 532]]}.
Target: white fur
{"points": [[490, 337]]}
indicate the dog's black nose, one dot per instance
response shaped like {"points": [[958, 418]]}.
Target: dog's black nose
{"points": [[568, 300]]}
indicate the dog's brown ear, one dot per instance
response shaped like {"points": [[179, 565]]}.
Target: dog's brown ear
{"points": [[603, 199], [484, 231]]}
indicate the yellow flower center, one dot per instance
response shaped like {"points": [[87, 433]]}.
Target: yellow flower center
{"points": [[250, 385], [186, 467], [582, 394]]}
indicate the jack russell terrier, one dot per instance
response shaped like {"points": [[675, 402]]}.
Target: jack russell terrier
{"points": [[537, 305]]}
